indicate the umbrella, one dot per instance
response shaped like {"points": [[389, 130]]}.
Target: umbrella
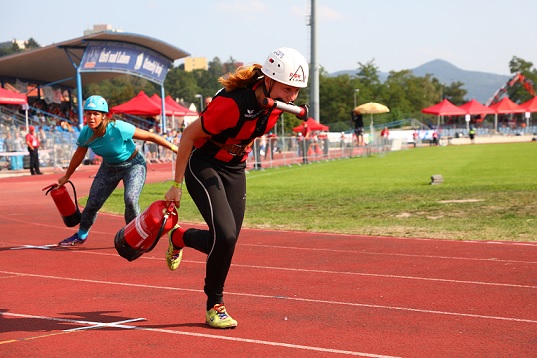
{"points": [[371, 108]]}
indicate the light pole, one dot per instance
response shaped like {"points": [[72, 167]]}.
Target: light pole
{"points": [[355, 91], [201, 101]]}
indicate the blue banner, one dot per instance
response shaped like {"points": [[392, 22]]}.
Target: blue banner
{"points": [[125, 58]]}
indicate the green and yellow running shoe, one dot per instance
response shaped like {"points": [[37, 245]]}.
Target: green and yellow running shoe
{"points": [[217, 317], [173, 254]]}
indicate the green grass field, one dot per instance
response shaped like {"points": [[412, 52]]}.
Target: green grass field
{"points": [[489, 193]]}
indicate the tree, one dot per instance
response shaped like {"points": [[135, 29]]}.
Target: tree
{"points": [[520, 93], [455, 93], [336, 101], [31, 44], [368, 75], [10, 50], [183, 85]]}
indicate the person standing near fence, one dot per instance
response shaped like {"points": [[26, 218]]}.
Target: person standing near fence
{"points": [[471, 134], [32, 142], [18, 146], [358, 121], [212, 160], [306, 142]]}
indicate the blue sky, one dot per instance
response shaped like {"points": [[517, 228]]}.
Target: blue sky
{"points": [[476, 35]]}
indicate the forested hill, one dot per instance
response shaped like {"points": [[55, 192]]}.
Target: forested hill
{"points": [[480, 85]]}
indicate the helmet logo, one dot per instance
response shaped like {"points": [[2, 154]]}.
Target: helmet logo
{"points": [[298, 75]]}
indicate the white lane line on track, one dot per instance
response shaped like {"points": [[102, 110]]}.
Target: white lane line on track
{"points": [[408, 309], [295, 269], [332, 272], [356, 252], [315, 234], [93, 325]]}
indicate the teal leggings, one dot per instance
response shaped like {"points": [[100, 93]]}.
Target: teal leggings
{"points": [[133, 173]]}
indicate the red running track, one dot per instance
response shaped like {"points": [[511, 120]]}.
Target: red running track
{"points": [[294, 293]]}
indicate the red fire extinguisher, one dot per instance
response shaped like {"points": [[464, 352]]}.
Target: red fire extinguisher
{"points": [[68, 210], [142, 234]]}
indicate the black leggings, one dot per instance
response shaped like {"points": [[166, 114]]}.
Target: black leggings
{"points": [[219, 192]]}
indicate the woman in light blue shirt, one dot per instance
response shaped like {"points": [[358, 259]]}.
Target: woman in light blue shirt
{"points": [[113, 140]]}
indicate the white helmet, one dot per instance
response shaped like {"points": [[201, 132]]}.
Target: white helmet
{"points": [[288, 66]]}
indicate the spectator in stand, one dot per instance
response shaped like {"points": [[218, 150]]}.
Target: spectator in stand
{"points": [[32, 141], [8, 147], [42, 137], [18, 146], [66, 126], [152, 150]]}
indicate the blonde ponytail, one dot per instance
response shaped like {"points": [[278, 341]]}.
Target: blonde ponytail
{"points": [[243, 77]]}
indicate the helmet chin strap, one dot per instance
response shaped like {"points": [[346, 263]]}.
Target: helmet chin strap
{"points": [[266, 91]]}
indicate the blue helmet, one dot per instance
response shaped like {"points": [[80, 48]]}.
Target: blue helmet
{"points": [[96, 103]]}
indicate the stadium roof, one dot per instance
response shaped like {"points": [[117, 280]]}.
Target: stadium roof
{"points": [[55, 64]]}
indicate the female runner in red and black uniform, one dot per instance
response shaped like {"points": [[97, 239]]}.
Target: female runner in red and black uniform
{"points": [[212, 159]]}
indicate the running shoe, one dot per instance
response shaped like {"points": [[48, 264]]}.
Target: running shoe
{"points": [[174, 254], [217, 317], [72, 241]]}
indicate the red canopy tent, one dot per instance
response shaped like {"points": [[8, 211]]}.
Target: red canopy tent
{"points": [[172, 107], [140, 105], [530, 105], [505, 105], [474, 107], [10, 97], [444, 108], [181, 110], [170, 111], [313, 124]]}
